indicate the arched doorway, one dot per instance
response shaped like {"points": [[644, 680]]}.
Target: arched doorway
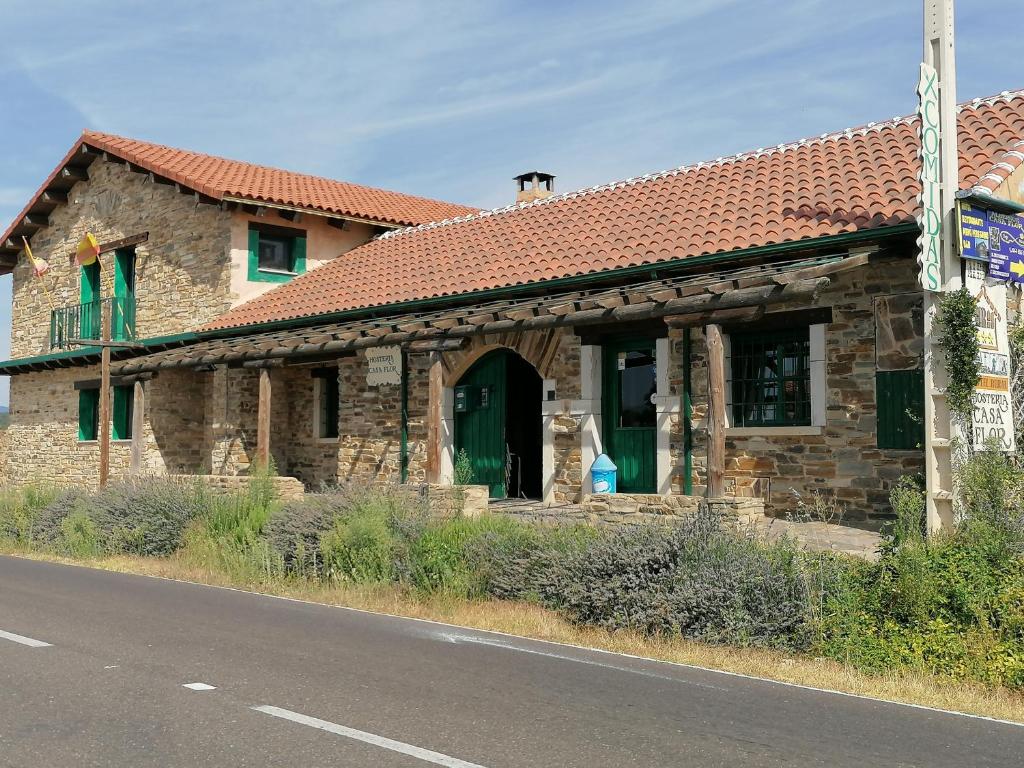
{"points": [[498, 424]]}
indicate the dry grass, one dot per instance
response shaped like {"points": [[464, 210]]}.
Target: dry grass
{"points": [[534, 622]]}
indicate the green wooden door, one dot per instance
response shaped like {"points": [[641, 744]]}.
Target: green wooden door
{"points": [[629, 421], [122, 312], [480, 420], [90, 316]]}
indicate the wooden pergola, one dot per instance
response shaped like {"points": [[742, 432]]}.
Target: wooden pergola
{"points": [[737, 295]]}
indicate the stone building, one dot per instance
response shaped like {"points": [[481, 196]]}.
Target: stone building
{"points": [[748, 327]]}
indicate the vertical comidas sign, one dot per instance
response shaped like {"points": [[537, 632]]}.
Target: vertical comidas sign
{"points": [[930, 222]]}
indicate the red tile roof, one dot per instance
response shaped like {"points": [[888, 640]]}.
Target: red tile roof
{"points": [[859, 179], [219, 178]]}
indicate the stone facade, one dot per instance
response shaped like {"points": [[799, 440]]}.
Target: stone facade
{"points": [[182, 270], [876, 325], [206, 422]]}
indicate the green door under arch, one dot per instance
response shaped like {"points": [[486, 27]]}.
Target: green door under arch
{"points": [[480, 420]]}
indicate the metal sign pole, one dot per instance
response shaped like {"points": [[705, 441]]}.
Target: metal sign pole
{"points": [[941, 269]]}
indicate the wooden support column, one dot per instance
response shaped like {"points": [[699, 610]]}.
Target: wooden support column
{"points": [[105, 324], [716, 412], [138, 412], [435, 393], [263, 421]]}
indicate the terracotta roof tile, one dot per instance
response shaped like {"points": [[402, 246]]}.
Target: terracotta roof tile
{"points": [[219, 178], [858, 179]]}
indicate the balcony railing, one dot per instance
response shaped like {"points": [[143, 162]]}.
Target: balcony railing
{"points": [[85, 321]]}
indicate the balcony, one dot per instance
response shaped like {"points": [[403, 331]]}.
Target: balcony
{"points": [[85, 321]]}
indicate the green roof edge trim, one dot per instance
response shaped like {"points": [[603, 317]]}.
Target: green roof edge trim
{"points": [[877, 233], [72, 355]]}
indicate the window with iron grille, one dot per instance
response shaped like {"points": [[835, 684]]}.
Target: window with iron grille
{"points": [[771, 378]]}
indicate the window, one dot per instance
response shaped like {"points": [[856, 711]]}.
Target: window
{"points": [[900, 399], [88, 414], [637, 383], [123, 405], [326, 399], [276, 254], [771, 378]]}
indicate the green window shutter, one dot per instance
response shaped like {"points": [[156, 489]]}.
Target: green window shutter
{"points": [[900, 399], [88, 414], [254, 255], [90, 282], [299, 255], [122, 407]]}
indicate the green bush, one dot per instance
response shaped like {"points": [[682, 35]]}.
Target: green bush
{"points": [[79, 536], [358, 548], [146, 516], [951, 604], [694, 579], [19, 509]]}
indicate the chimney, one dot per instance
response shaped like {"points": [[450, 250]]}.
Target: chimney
{"points": [[534, 185]]}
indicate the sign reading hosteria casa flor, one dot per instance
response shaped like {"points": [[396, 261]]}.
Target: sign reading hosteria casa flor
{"points": [[930, 178], [385, 366]]}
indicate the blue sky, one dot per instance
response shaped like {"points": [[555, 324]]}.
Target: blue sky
{"points": [[451, 99]]}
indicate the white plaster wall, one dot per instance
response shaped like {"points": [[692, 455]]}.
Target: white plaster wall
{"points": [[323, 243]]}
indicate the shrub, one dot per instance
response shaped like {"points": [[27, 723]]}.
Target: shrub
{"points": [[358, 548], [46, 530], [80, 536], [294, 531], [19, 509], [463, 470], [694, 579], [146, 516]]}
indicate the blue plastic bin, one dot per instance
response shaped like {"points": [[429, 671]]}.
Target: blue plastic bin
{"points": [[603, 472]]}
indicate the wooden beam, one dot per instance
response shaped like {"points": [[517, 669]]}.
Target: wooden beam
{"points": [[124, 242], [73, 173], [440, 345], [435, 394], [104, 417], [138, 411], [52, 196], [697, 319], [263, 421], [716, 412]]}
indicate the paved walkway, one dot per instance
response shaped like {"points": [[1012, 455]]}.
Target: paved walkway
{"points": [[822, 537]]}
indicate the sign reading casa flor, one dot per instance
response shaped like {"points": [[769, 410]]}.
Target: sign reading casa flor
{"points": [[385, 366], [930, 220], [997, 238]]}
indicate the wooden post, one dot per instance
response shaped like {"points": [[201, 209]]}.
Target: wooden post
{"points": [[263, 421], [435, 391], [716, 412], [104, 398], [138, 410]]}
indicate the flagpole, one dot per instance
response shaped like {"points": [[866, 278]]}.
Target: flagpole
{"points": [[32, 258]]}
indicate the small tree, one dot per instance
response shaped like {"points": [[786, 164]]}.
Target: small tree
{"points": [[464, 474]]}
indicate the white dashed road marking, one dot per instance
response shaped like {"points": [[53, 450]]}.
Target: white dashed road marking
{"points": [[369, 738], [199, 686], [23, 640]]}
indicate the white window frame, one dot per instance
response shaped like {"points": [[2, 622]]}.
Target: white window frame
{"points": [[819, 392]]}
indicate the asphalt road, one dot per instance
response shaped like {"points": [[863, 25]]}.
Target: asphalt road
{"points": [[296, 684]]}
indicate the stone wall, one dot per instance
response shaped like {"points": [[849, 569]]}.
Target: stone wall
{"points": [[633, 508], [876, 325], [285, 488], [182, 271], [43, 432]]}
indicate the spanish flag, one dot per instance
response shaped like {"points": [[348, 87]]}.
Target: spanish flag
{"points": [[87, 251]]}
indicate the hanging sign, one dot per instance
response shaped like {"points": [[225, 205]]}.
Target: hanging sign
{"points": [[930, 217], [385, 366], [997, 238], [992, 416]]}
